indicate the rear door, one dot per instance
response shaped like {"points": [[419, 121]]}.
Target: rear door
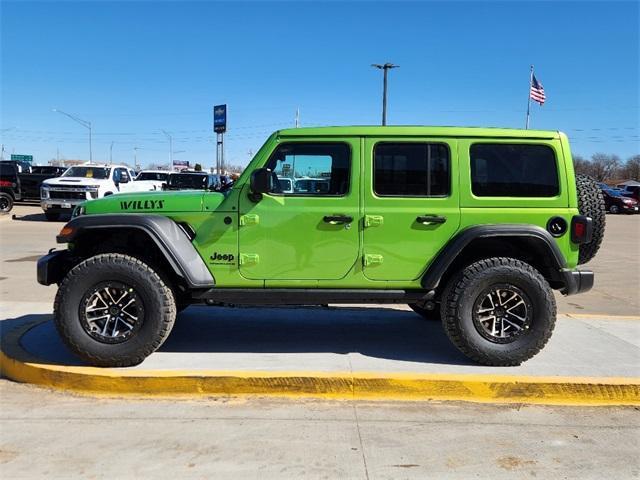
{"points": [[410, 204]]}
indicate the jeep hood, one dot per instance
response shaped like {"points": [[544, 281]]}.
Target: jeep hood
{"points": [[153, 202]]}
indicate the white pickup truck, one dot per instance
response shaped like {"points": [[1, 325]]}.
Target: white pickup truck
{"points": [[150, 180], [85, 182]]}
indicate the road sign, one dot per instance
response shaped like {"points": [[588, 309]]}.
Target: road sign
{"points": [[220, 118], [22, 158]]}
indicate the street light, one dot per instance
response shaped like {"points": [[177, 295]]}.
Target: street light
{"points": [[84, 123], [135, 156], [111, 153], [170, 146], [385, 67]]}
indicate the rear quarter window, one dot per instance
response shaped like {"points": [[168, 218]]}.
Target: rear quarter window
{"points": [[513, 170]]}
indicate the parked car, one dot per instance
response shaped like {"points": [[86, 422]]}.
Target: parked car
{"points": [[192, 181], [81, 183], [32, 181], [616, 202], [480, 233], [286, 184], [10, 190], [151, 179], [632, 191]]}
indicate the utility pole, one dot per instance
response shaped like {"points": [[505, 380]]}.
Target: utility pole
{"points": [[135, 156], [168, 135], [111, 153], [385, 68], [298, 117], [84, 123]]}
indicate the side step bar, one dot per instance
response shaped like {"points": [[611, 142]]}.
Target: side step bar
{"points": [[308, 296]]}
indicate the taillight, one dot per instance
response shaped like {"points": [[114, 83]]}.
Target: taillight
{"points": [[7, 183], [581, 229]]}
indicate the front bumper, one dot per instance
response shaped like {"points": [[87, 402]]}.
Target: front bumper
{"points": [[576, 281], [53, 266], [54, 205]]}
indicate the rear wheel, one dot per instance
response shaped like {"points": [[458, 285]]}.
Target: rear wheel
{"points": [[6, 202], [591, 204], [614, 209], [499, 311], [113, 310]]}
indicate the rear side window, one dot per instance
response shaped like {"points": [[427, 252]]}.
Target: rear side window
{"points": [[411, 169], [506, 170]]}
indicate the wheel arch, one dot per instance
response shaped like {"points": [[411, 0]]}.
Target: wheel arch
{"points": [[149, 237], [529, 243]]}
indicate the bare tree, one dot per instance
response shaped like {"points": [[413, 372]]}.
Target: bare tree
{"points": [[604, 166], [631, 169], [581, 165]]}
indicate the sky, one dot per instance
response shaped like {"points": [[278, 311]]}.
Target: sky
{"points": [[134, 69]]}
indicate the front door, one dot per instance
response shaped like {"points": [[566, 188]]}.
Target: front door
{"points": [[411, 206], [306, 227]]}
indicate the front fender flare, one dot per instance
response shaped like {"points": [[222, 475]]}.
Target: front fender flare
{"points": [[165, 233]]}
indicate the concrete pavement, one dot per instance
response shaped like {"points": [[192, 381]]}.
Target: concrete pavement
{"points": [[52, 435]]}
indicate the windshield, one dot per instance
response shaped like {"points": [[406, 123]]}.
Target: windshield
{"points": [[185, 180], [99, 173], [162, 177]]}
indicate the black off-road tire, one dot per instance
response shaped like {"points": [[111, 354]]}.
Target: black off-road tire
{"points": [[591, 204], [463, 291], [156, 322], [6, 202], [431, 315], [51, 217]]}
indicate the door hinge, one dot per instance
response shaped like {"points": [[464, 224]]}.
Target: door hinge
{"points": [[373, 220], [249, 219], [249, 258], [372, 259]]}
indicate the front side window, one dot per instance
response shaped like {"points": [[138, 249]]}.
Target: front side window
{"points": [[411, 169], [513, 170], [311, 169]]}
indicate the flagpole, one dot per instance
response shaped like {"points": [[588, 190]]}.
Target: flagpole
{"points": [[529, 97]]}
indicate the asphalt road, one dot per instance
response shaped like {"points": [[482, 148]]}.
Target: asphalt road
{"points": [[617, 265], [45, 434]]}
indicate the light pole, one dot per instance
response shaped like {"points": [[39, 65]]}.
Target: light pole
{"points": [[84, 123], [385, 68], [168, 135], [135, 156], [111, 153]]}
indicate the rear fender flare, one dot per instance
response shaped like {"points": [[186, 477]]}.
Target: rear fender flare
{"points": [[439, 266]]}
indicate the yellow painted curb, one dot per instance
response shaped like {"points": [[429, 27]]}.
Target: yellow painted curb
{"points": [[16, 364], [600, 316]]}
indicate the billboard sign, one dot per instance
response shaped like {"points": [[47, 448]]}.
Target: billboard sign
{"points": [[180, 165], [220, 118]]}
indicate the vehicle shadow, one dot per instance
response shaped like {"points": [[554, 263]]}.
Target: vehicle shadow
{"points": [[36, 217], [374, 332]]}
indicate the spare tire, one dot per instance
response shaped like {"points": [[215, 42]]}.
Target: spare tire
{"points": [[591, 204]]}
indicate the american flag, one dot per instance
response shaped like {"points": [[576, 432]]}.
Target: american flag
{"points": [[537, 91]]}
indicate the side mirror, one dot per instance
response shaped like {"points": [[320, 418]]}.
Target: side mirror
{"points": [[261, 180]]}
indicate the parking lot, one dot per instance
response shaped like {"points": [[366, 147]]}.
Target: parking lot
{"points": [[322, 438]]}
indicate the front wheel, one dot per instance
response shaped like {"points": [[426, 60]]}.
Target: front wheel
{"points": [[614, 209], [113, 310], [499, 311]]}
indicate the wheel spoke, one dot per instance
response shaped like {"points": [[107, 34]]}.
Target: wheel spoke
{"points": [[502, 314], [112, 313]]}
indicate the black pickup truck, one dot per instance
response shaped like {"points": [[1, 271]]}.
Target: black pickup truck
{"points": [[16, 186]]}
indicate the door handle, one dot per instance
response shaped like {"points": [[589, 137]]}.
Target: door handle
{"points": [[335, 219], [426, 219]]}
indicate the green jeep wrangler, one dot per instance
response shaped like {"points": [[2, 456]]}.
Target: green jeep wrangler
{"points": [[474, 226]]}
